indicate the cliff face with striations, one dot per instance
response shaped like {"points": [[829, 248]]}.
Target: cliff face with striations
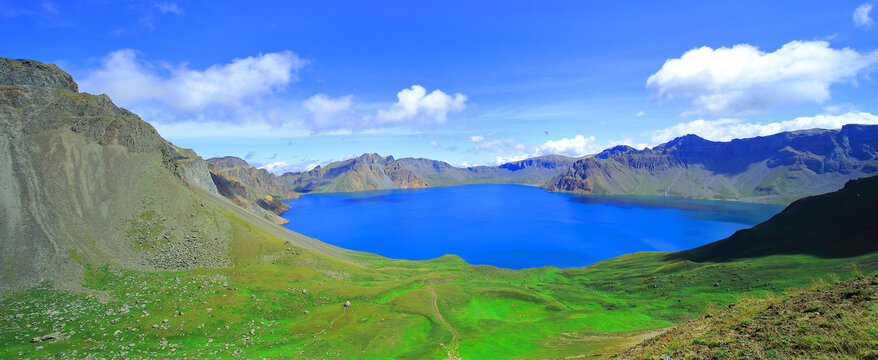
{"points": [[375, 172], [249, 187], [85, 182], [367, 172], [778, 168]]}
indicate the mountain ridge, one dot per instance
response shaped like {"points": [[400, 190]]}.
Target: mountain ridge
{"points": [[777, 168], [371, 171]]}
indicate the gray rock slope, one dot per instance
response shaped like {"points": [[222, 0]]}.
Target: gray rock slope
{"points": [[85, 182]]}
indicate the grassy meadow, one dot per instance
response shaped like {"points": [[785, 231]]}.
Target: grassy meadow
{"points": [[281, 301]]}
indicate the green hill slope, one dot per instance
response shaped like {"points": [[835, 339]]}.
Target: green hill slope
{"points": [[839, 224], [111, 250], [819, 322]]}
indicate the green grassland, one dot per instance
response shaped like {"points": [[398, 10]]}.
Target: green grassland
{"points": [[281, 301]]}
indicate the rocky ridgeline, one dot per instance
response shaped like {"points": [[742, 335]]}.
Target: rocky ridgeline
{"points": [[376, 172], [778, 168]]}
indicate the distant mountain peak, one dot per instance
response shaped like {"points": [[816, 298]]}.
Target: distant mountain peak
{"points": [[683, 141]]}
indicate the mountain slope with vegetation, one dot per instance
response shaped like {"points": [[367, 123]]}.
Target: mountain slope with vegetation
{"points": [[777, 169], [83, 181], [822, 321], [111, 249], [838, 224]]}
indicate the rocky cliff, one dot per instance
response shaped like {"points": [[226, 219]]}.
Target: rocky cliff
{"points": [[375, 172], [85, 182], [779, 168], [249, 187], [367, 172]]}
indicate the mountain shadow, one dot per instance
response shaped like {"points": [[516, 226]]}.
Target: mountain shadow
{"points": [[839, 224]]}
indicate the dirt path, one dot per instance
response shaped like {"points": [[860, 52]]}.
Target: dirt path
{"points": [[455, 336], [321, 332], [668, 189]]}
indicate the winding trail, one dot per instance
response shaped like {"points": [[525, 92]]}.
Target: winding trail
{"points": [[452, 348], [668, 189], [321, 332]]}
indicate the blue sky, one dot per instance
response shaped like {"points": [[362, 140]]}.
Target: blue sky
{"points": [[295, 84]]}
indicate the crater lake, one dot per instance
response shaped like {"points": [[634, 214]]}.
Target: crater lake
{"points": [[515, 226]]}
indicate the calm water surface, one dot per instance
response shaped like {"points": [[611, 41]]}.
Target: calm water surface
{"points": [[515, 226]]}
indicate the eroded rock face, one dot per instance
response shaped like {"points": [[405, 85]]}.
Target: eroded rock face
{"points": [[74, 168], [251, 188], [778, 168], [23, 72]]}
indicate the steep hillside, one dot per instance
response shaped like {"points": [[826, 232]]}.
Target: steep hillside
{"points": [[820, 322], [249, 187], [778, 168], [85, 182], [838, 224]]}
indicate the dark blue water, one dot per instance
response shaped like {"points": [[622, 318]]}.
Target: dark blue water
{"points": [[515, 226]]}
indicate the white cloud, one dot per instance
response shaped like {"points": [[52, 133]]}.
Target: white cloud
{"points": [[414, 105], [728, 129], [169, 7], [577, 146], [640, 113], [280, 167], [861, 16], [500, 160], [414, 108], [487, 142], [742, 79], [434, 144], [328, 113], [129, 81], [201, 128]]}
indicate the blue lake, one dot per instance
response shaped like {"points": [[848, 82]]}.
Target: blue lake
{"points": [[515, 226]]}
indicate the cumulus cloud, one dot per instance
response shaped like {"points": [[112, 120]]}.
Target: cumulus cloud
{"points": [[414, 105], [639, 113], [413, 108], [743, 79], [280, 167], [327, 113], [728, 129], [861, 16], [500, 160], [489, 143], [577, 146], [129, 81]]}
